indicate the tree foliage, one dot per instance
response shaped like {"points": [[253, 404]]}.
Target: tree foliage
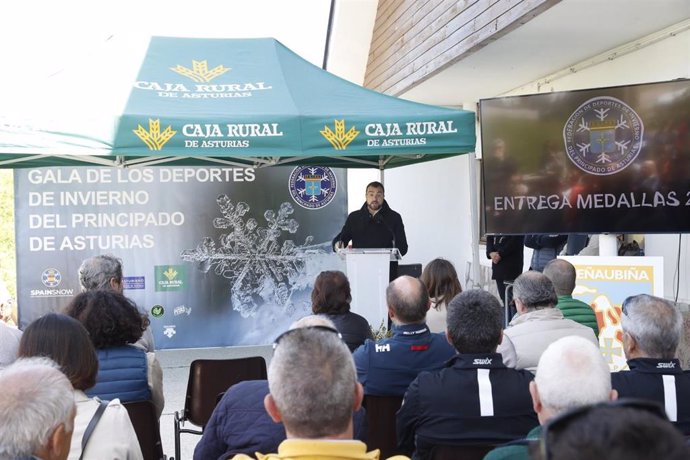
{"points": [[8, 265]]}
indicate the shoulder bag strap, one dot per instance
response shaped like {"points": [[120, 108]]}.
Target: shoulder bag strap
{"points": [[91, 426]]}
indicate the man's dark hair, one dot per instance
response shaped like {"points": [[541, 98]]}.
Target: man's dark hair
{"points": [[331, 294], [65, 341], [615, 433], [408, 298], [562, 274], [535, 290], [474, 322], [375, 184]]}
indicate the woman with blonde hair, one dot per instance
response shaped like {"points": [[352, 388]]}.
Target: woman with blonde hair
{"points": [[442, 283]]}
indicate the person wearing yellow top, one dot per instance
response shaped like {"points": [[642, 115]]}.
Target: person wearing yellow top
{"points": [[314, 391]]}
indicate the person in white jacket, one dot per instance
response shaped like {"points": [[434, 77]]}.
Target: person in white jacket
{"points": [[65, 340]]}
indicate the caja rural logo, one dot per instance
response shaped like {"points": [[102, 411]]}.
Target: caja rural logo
{"points": [[154, 138]]}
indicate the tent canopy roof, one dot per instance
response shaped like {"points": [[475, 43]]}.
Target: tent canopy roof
{"points": [[245, 102]]}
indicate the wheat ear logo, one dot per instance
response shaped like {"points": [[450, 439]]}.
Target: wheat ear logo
{"points": [[339, 139], [200, 72], [154, 138]]}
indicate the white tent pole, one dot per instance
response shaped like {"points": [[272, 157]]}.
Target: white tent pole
{"points": [[474, 217]]}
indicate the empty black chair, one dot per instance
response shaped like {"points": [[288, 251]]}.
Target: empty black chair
{"points": [[208, 378], [145, 422], [381, 412]]}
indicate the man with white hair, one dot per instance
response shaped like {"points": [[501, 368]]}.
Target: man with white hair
{"points": [[537, 324], [239, 422], [652, 328], [571, 373], [313, 392], [36, 411]]}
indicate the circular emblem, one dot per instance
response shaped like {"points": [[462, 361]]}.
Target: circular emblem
{"points": [[51, 277], [157, 311], [603, 136], [312, 187]]}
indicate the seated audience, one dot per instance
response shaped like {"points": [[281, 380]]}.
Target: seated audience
{"points": [[387, 367], [36, 411], [331, 297], [313, 392], [125, 371], [571, 373], [562, 274], [9, 343], [652, 328], [240, 423], [475, 398], [623, 430], [537, 324], [104, 272], [442, 284], [65, 341]]}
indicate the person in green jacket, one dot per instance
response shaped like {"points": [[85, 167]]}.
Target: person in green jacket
{"points": [[562, 274]]}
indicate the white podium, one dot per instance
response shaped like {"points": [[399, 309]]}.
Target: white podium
{"points": [[368, 272]]}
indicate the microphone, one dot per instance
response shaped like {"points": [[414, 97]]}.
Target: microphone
{"points": [[379, 220]]}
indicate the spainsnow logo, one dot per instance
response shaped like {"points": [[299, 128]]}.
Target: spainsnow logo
{"points": [[51, 277], [169, 331], [603, 136], [312, 187]]}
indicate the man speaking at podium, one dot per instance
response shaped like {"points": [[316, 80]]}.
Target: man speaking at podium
{"points": [[375, 225]]}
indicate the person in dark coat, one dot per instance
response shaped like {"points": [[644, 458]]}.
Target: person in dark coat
{"points": [[506, 254], [546, 248], [331, 297], [375, 225]]}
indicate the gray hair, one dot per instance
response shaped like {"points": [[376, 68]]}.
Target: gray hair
{"points": [[534, 290], [475, 321], [562, 274], [96, 272], [35, 399], [312, 380], [654, 323], [572, 373], [409, 299]]}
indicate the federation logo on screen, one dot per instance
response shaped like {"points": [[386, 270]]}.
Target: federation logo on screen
{"points": [[154, 138], [200, 72], [312, 187], [51, 277], [603, 136]]}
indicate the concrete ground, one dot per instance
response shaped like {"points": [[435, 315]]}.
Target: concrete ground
{"points": [[175, 364]]}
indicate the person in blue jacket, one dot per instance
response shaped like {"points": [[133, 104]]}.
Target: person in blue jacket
{"points": [[387, 367]]}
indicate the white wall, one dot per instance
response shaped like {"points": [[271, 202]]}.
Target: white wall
{"points": [[434, 198]]}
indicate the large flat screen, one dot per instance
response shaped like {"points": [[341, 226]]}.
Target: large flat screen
{"points": [[590, 161]]}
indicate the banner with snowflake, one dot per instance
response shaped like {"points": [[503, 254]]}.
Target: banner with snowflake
{"points": [[215, 255]]}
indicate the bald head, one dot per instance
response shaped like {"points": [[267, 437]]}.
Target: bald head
{"points": [[408, 300], [562, 274]]}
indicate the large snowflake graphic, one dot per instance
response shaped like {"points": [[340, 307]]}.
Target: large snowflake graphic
{"points": [[262, 268]]}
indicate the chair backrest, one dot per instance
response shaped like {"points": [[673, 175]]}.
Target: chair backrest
{"points": [[145, 422], [381, 412], [468, 452], [208, 377]]}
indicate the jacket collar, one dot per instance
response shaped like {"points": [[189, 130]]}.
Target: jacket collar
{"points": [[384, 207], [544, 314], [410, 330], [476, 361], [655, 366]]}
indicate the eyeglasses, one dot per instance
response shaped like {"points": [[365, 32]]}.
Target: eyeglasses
{"points": [[562, 421], [316, 327]]}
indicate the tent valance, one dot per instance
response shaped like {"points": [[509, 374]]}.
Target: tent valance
{"points": [[248, 102]]}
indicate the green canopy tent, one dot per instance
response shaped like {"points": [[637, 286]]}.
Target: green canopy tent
{"points": [[246, 102]]}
